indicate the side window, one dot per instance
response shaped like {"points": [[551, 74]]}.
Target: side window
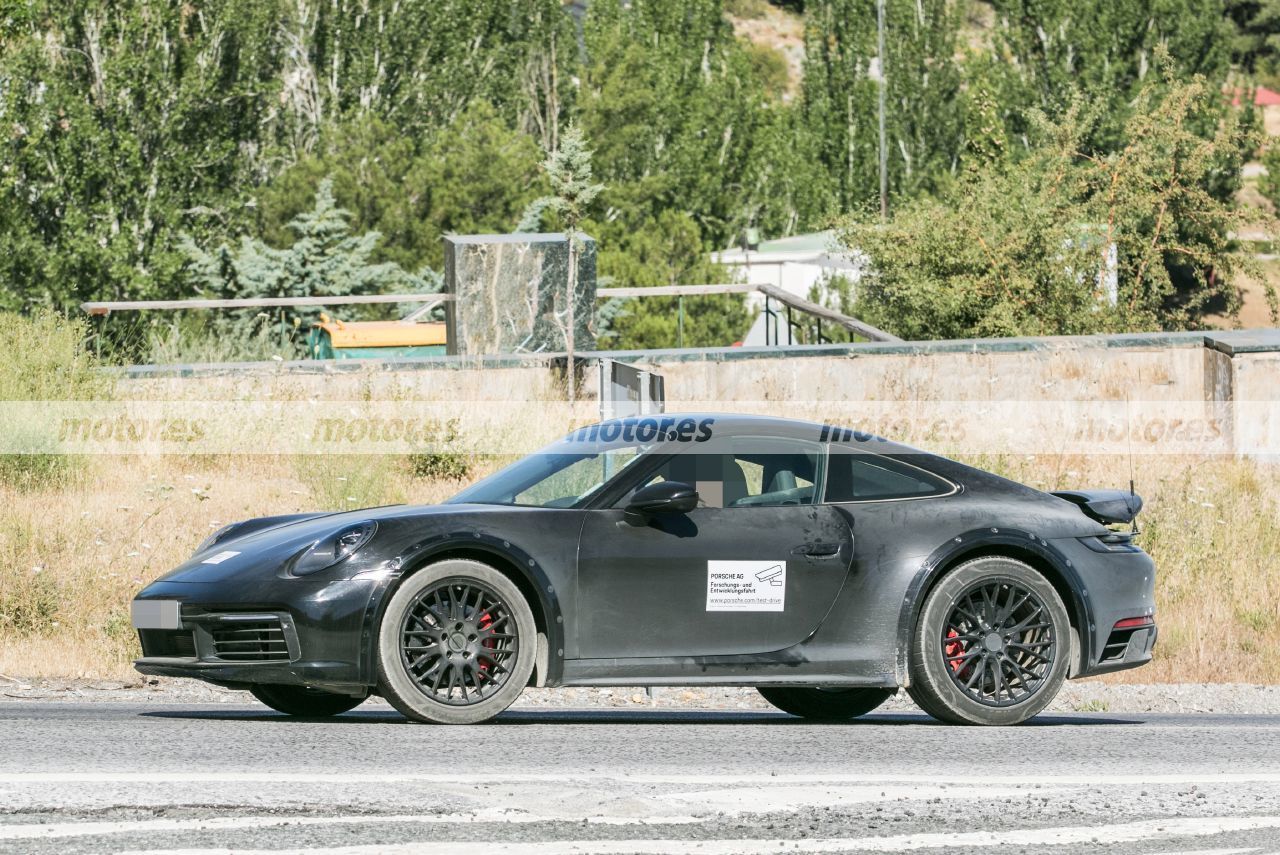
{"points": [[854, 476], [742, 472]]}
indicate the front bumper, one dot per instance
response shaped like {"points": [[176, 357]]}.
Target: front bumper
{"points": [[293, 632]]}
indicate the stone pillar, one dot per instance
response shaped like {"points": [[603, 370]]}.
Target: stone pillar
{"points": [[510, 293], [1245, 375]]}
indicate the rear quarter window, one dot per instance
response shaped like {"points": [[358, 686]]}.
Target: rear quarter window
{"points": [[854, 476]]}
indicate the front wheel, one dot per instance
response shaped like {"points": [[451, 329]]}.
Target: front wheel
{"points": [[825, 704], [456, 645], [304, 700], [991, 646]]}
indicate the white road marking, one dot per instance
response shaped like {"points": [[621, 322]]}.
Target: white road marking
{"points": [[1092, 779], [1039, 837], [765, 799], [46, 831]]}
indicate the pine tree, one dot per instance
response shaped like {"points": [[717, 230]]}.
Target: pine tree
{"points": [[568, 168], [325, 259]]}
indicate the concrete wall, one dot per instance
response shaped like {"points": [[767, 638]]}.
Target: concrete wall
{"points": [[1171, 393]]}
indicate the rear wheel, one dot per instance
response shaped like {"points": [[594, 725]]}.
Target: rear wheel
{"points": [[991, 646], [304, 700], [456, 645], [825, 704]]}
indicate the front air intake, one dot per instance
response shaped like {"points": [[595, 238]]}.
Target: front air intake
{"points": [[250, 641]]}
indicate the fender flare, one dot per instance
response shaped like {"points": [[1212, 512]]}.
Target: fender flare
{"points": [[420, 553], [975, 541]]}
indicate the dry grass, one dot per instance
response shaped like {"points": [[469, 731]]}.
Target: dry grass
{"points": [[72, 554], [1211, 526]]}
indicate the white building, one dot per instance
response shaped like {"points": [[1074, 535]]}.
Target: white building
{"points": [[794, 264]]}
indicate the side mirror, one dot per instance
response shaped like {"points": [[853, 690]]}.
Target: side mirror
{"points": [[665, 497]]}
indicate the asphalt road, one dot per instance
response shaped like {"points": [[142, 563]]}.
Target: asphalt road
{"points": [[111, 777]]}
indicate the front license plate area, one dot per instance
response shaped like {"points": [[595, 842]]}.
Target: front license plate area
{"points": [[156, 614]]}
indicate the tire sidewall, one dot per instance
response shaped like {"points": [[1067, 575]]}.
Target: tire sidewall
{"points": [[403, 693], [942, 697]]}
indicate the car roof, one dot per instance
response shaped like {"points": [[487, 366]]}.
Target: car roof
{"points": [[748, 424]]}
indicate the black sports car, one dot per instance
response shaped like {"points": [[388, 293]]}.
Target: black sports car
{"points": [[826, 567]]}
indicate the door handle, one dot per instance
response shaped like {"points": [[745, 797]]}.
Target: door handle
{"points": [[817, 550]]}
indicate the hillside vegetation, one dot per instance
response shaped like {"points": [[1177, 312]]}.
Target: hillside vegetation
{"points": [[145, 139]]}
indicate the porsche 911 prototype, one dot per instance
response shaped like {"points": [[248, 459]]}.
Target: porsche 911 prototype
{"points": [[825, 567]]}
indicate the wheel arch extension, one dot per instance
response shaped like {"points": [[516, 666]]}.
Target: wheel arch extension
{"points": [[509, 560], [1009, 543]]}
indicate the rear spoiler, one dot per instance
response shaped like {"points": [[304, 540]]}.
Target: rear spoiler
{"points": [[1105, 506]]}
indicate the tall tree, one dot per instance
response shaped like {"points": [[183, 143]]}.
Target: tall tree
{"points": [[126, 124], [324, 258], [1104, 49], [924, 129], [475, 175]]}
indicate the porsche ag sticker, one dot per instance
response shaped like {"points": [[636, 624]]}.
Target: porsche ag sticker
{"points": [[220, 557], [746, 586]]}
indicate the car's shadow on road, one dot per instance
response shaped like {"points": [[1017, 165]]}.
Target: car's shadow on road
{"points": [[519, 717]]}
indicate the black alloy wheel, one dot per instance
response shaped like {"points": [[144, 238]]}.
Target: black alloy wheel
{"points": [[457, 641], [998, 643], [992, 645]]}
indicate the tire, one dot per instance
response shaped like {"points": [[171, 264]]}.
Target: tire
{"points": [[825, 704], [304, 700], [456, 645], [992, 644]]}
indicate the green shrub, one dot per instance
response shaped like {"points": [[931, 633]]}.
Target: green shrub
{"points": [[441, 465]]}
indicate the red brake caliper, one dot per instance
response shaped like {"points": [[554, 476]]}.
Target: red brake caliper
{"points": [[955, 649], [486, 621]]}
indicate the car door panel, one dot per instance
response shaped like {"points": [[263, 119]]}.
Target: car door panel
{"points": [[643, 590]]}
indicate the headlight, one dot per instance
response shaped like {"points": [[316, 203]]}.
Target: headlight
{"points": [[334, 549], [214, 538]]}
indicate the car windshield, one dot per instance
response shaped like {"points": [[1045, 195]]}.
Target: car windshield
{"points": [[563, 475]]}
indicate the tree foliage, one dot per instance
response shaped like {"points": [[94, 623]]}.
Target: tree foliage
{"points": [[1022, 249], [474, 176], [325, 258], [843, 73], [127, 125], [1255, 47], [1056, 51]]}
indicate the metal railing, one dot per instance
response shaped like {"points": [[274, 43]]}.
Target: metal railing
{"points": [[771, 293]]}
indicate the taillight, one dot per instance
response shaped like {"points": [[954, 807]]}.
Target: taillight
{"points": [[1135, 622]]}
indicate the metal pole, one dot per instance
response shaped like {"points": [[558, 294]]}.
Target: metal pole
{"points": [[884, 84], [767, 313], [680, 322], [789, 341], [606, 389]]}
